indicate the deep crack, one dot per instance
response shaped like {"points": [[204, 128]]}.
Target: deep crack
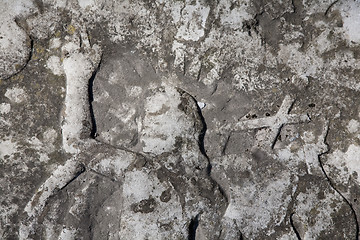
{"points": [[192, 227], [343, 197], [332, 185], [91, 99], [293, 227], [329, 8], [81, 169]]}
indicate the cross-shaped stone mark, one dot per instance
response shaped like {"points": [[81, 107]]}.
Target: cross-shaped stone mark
{"points": [[274, 123]]}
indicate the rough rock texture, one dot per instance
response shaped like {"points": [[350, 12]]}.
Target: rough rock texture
{"points": [[191, 119]]}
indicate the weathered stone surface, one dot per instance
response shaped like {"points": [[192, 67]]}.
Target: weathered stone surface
{"points": [[179, 119]]}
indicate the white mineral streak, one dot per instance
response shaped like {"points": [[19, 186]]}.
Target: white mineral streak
{"points": [[60, 177], [163, 120], [78, 68], [273, 123]]}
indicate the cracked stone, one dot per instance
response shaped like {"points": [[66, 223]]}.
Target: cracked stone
{"points": [[179, 119]]}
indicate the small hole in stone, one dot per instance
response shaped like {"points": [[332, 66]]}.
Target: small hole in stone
{"points": [[267, 114], [312, 105], [355, 199]]}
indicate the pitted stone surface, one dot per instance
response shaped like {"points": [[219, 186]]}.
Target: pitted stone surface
{"points": [[179, 119]]}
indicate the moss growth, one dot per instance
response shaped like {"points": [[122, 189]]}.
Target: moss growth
{"points": [[71, 29]]}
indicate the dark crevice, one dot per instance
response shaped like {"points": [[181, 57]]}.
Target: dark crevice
{"points": [[91, 99], [103, 175], [201, 136], [329, 8], [198, 76], [276, 136], [332, 185], [293, 227], [201, 144], [123, 148], [293, 6], [81, 169], [192, 228], [30, 53], [223, 151]]}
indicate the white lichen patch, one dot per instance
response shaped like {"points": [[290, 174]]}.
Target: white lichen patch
{"points": [[55, 43], [353, 126], [54, 64], [15, 94], [50, 135], [5, 108], [179, 51], [347, 163], [351, 18], [193, 19], [140, 186], [256, 207], [7, 148], [135, 91], [163, 121], [68, 234], [115, 165], [86, 3], [313, 214], [255, 204], [234, 17]]}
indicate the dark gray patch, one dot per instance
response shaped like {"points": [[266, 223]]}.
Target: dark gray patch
{"points": [[144, 206], [166, 195]]}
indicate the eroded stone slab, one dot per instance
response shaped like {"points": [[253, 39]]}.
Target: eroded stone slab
{"points": [[179, 119]]}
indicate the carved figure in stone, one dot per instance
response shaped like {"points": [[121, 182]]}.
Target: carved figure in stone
{"points": [[278, 189], [106, 192]]}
